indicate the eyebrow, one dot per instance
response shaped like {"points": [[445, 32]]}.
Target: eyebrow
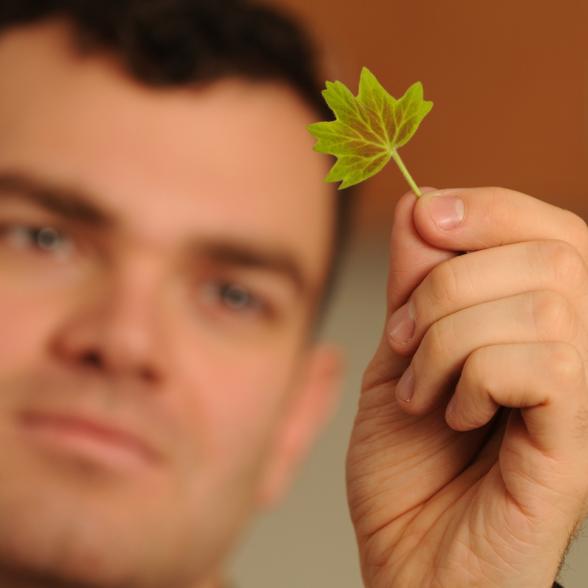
{"points": [[76, 205], [251, 256], [65, 201]]}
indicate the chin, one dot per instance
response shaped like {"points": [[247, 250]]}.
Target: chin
{"points": [[69, 563], [71, 522], [50, 532]]}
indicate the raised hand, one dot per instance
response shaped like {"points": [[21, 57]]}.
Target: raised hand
{"points": [[485, 490]]}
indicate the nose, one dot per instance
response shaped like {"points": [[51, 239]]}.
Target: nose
{"points": [[114, 328]]}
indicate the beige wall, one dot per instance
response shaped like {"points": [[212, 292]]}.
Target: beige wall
{"points": [[510, 83]]}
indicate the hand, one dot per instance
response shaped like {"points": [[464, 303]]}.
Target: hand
{"points": [[488, 490]]}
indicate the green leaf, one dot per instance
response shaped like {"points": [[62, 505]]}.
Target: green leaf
{"points": [[368, 129]]}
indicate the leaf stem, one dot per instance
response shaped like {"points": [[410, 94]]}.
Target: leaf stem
{"points": [[405, 173]]}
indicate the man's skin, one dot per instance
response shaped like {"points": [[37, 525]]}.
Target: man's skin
{"points": [[115, 314], [443, 496]]}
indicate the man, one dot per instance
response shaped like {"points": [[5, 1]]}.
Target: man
{"points": [[166, 240]]}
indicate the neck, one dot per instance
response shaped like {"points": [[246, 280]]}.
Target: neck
{"points": [[24, 579], [215, 582]]}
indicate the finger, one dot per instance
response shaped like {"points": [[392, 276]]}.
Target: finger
{"points": [[492, 217], [542, 315], [411, 259], [491, 274], [545, 379]]}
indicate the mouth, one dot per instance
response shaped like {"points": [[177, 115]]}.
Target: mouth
{"points": [[86, 438]]}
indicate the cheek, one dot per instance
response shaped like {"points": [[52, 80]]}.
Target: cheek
{"points": [[37, 300], [24, 318], [33, 298], [237, 401]]}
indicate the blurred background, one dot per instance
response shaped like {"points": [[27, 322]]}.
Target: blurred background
{"points": [[509, 79]]}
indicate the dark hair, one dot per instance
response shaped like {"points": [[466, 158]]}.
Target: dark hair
{"points": [[181, 42]]}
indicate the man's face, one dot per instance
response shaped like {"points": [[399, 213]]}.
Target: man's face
{"points": [[161, 252]]}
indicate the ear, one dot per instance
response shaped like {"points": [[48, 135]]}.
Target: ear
{"points": [[310, 408]]}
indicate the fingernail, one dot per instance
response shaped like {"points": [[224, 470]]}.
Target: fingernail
{"points": [[447, 211], [401, 326], [405, 386]]}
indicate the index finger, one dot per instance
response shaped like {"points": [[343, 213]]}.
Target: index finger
{"points": [[410, 260], [492, 217]]}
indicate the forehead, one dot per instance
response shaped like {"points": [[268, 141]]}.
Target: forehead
{"points": [[230, 158]]}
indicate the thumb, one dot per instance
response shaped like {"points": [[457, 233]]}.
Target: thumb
{"points": [[411, 259]]}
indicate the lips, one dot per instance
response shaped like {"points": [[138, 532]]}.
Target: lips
{"points": [[90, 437]]}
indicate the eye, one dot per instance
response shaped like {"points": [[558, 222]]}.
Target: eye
{"points": [[234, 297], [45, 239]]}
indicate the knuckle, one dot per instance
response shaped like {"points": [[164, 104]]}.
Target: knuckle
{"points": [[443, 284], [564, 261], [437, 341], [480, 384], [577, 229], [566, 363], [497, 210], [475, 371], [553, 316]]}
